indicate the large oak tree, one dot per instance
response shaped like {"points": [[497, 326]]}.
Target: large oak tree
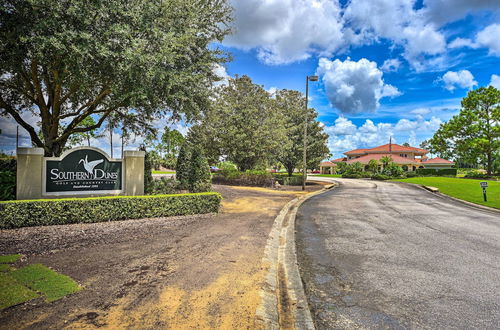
{"points": [[292, 105], [474, 134], [114, 60]]}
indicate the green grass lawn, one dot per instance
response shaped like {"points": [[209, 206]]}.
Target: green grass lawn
{"points": [[466, 189], [9, 259], [328, 175], [163, 172], [29, 282]]}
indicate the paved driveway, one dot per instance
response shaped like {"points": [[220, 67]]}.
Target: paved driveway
{"points": [[388, 255]]}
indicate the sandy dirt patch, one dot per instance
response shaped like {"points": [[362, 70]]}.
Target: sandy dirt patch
{"points": [[180, 273]]}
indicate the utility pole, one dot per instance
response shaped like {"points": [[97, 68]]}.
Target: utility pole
{"points": [[306, 121], [17, 137]]}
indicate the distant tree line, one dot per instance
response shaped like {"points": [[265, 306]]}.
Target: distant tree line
{"points": [[472, 137]]}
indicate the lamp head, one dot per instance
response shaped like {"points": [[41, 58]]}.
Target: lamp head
{"points": [[313, 78]]}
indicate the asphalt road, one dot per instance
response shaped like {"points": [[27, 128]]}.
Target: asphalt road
{"points": [[386, 255]]}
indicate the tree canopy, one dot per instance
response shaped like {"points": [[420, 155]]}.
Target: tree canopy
{"points": [[119, 61], [250, 128], [241, 125], [474, 134], [292, 104]]}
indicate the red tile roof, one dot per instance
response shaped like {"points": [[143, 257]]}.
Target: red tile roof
{"points": [[385, 148], [327, 163], [395, 158], [437, 160], [338, 160]]}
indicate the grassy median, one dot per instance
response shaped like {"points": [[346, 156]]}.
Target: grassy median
{"points": [[466, 189]]}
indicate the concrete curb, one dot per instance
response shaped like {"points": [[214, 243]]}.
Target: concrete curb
{"points": [[436, 192], [284, 304]]}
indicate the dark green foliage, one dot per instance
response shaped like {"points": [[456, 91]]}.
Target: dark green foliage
{"points": [[148, 176], [392, 170], [476, 175], [284, 179], [378, 176], [182, 167], [15, 214], [437, 172], [357, 175], [247, 178], [165, 186], [7, 179], [411, 174], [199, 172], [115, 60]]}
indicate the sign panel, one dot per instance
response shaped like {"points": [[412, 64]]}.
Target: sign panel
{"points": [[484, 184], [82, 171]]}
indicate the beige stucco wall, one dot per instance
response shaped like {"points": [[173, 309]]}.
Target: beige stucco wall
{"points": [[134, 172], [29, 173]]}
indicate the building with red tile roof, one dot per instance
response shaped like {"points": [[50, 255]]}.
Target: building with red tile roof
{"points": [[409, 158]]}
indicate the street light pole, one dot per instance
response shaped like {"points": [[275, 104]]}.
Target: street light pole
{"points": [[306, 117]]}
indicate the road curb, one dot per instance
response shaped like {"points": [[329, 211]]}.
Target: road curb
{"points": [[439, 194], [284, 304]]}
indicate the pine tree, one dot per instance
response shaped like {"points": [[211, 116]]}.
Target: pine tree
{"points": [[182, 168], [199, 174]]}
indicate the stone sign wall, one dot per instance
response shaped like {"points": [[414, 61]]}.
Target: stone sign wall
{"points": [[79, 172]]}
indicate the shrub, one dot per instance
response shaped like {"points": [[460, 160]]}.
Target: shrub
{"points": [[437, 172], [378, 176], [182, 167], [411, 174], [227, 166], [199, 172], [294, 180], [247, 178], [165, 186], [7, 179], [392, 170], [476, 175], [43, 212], [148, 176], [351, 175]]}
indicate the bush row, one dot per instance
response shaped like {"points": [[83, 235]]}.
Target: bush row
{"points": [[14, 214], [294, 180], [247, 178], [437, 172]]}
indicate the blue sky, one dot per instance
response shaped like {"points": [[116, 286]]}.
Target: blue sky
{"points": [[440, 49], [388, 68]]}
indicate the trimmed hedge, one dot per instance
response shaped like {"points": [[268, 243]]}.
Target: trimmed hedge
{"points": [[247, 178], [294, 180], [438, 172], [44, 212]]}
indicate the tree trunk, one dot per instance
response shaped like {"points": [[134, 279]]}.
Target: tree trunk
{"points": [[290, 169]]}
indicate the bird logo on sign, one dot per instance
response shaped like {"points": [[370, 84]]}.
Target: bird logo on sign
{"points": [[89, 166]]}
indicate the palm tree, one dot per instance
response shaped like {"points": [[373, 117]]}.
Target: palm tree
{"points": [[373, 165], [386, 160]]}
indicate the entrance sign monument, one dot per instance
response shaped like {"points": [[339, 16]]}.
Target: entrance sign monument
{"points": [[79, 172]]}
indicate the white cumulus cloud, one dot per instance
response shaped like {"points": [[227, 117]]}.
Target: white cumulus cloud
{"points": [[354, 87], [285, 31], [462, 79], [390, 65], [495, 81], [490, 38]]}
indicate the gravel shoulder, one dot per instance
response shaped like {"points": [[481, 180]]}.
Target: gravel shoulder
{"points": [[200, 271]]}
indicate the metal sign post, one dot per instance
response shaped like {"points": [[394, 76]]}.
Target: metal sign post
{"points": [[484, 185]]}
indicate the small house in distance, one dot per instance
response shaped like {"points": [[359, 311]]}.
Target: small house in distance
{"points": [[408, 158]]}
